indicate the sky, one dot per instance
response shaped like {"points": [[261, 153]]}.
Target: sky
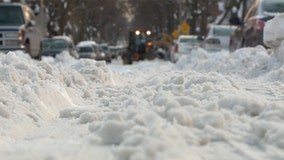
{"points": [[207, 106]]}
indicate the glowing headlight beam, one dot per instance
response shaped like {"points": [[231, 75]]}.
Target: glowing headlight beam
{"points": [[137, 33], [148, 33]]}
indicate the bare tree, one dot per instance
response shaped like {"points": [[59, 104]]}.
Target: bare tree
{"points": [[162, 15], [235, 9], [89, 19], [109, 20], [157, 15]]}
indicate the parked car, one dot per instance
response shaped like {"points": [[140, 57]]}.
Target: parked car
{"points": [[103, 47], [250, 32], [90, 49], [184, 45], [115, 51], [58, 44], [18, 29], [218, 38], [86, 49]]}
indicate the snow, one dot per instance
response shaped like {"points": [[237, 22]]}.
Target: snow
{"points": [[206, 106], [84, 43], [273, 36]]}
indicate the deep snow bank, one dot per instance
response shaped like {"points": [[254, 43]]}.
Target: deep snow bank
{"points": [[274, 37], [32, 91], [252, 63]]}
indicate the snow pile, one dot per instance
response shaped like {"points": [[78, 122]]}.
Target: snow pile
{"points": [[246, 62], [35, 91], [273, 31], [273, 36]]}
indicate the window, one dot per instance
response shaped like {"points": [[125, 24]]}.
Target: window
{"points": [[273, 6], [86, 49], [54, 44], [11, 15], [189, 40]]}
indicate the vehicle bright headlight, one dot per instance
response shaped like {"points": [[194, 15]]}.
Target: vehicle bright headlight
{"points": [[137, 32], [148, 33]]}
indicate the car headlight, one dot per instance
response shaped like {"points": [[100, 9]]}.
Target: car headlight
{"points": [[137, 32]]}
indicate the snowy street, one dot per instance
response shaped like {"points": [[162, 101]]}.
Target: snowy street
{"points": [[207, 106], [68, 109]]}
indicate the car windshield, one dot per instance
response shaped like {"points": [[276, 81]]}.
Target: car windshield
{"points": [[189, 40], [54, 44], [222, 31], [104, 48], [273, 6], [85, 49], [11, 15]]}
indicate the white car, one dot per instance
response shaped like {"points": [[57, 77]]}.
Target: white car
{"points": [[184, 45], [218, 38], [86, 49], [91, 50]]}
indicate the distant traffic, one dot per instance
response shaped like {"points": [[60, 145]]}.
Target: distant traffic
{"points": [[20, 30]]}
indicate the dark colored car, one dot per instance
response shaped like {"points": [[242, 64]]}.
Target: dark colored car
{"points": [[250, 32], [58, 44], [103, 47]]}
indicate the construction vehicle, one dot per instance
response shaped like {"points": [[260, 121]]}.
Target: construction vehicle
{"points": [[144, 45], [140, 46]]}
